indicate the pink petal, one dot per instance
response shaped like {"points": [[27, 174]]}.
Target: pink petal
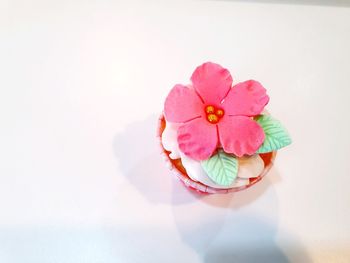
{"points": [[247, 98], [240, 135], [212, 82], [182, 104], [197, 139]]}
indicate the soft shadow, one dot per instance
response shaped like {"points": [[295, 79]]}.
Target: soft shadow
{"points": [[245, 232], [253, 240], [249, 241], [205, 224], [138, 153]]}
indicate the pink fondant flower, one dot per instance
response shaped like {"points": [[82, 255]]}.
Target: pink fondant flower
{"points": [[214, 114]]}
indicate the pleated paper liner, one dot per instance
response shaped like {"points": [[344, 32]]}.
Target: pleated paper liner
{"points": [[179, 171]]}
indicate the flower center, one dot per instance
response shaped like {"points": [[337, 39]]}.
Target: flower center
{"points": [[213, 114]]}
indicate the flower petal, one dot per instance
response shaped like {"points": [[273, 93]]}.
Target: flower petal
{"points": [[212, 82], [240, 135], [197, 139], [247, 98], [182, 104]]}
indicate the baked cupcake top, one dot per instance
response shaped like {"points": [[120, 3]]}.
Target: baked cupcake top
{"points": [[219, 126]]}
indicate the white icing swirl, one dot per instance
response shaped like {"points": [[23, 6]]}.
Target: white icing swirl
{"points": [[249, 167], [169, 140]]}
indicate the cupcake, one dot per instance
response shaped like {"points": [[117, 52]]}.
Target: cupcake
{"points": [[217, 137]]}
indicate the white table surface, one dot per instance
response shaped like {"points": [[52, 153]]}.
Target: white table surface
{"points": [[82, 84]]}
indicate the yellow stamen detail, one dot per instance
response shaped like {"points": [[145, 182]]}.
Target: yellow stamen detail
{"points": [[219, 113], [212, 118], [209, 109]]}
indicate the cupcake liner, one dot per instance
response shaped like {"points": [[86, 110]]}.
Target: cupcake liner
{"points": [[177, 169]]}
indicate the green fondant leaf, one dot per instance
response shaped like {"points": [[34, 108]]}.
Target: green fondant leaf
{"points": [[276, 137], [221, 168]]}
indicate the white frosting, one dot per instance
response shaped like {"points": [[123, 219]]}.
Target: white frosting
{"points": [[249, 167], [169, 140]]}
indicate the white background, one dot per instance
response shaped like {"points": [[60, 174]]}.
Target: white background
{"points": [[81, 86]]}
